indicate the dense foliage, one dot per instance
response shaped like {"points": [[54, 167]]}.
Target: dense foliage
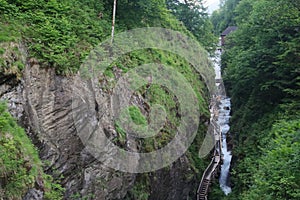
{"points": [[277, 176], [59, 34], [20, 166], [261, 73], [194, 16], [224, 16]]}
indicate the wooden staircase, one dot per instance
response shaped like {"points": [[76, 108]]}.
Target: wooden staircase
{"points": [[214, 165], [203, 190]]}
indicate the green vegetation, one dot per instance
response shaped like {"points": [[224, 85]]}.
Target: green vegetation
{"points": [[136, 115], [261, 74], [159, 95], [141, 190], [193, 15], [60, 34], [278, 171], [225, 16], [20, 166], [78, 196], [12, 60]]}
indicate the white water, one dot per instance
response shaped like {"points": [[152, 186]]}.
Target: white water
{"points": [[223, 120]]}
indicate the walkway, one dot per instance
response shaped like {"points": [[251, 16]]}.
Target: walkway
{"points": [[213, 129]]}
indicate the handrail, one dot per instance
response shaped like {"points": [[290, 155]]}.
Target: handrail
{"points": [[209, 171], [202, 182], [214, 163]]}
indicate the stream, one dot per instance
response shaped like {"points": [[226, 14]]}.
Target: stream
{"points": [[223, 121]]}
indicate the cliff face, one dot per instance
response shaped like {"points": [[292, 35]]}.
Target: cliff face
{"points": [[58, 36], [42, 103], [175, 181]]}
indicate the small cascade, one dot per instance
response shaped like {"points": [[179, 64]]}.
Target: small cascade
{"points": [[223, 121]]}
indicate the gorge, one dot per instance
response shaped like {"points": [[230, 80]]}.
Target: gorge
{"points": [[150, 82]]}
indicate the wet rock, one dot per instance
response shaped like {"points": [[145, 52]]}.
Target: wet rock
{"points": [[226, 108]]}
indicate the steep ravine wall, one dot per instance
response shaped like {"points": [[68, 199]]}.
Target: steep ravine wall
{"points": [[42, 103], [44, 99]]}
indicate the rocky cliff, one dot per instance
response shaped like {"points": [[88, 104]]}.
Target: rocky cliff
{"points": [[41, 100]]}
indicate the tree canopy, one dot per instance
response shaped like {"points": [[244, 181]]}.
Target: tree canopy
{"points": [[194, 16], [260, 64]]}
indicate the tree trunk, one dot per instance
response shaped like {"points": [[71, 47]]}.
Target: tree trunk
{"points": [[113, 21]]}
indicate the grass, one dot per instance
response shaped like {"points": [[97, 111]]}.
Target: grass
{"points": [[156, 94], [20, 163], [136, 115]]}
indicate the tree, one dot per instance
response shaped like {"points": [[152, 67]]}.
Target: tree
{"points": [[194, 16], [261, 74], [278, 174], [113, 21], [225, 16]]}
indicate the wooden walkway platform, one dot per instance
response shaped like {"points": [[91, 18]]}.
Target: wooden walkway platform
{"points": [[214, 129]]}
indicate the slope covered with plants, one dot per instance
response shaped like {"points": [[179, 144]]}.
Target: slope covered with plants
{"points": [[60, 34], [262, 75], [20, 165]]}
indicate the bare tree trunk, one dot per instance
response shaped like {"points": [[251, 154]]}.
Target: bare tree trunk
{"points": [[113, 21]]}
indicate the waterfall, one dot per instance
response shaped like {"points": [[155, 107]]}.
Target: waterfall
{"points": [[223, 120]]}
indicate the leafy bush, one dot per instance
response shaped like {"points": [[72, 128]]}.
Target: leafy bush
{"points": [[58, 34], [278, 171]]}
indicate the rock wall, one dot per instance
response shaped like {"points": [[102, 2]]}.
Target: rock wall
{"points": [[42, 103], [175, 180]]}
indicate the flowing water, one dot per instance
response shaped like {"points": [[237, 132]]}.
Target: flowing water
{"points": [[223, 120]]}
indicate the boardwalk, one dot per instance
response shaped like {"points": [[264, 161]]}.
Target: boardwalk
{"points": [[213, 167], [214, 129]]}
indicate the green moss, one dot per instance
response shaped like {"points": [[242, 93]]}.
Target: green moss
{"points": [[136, 115], [20, 164], [2, 51], [109, 73]]}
